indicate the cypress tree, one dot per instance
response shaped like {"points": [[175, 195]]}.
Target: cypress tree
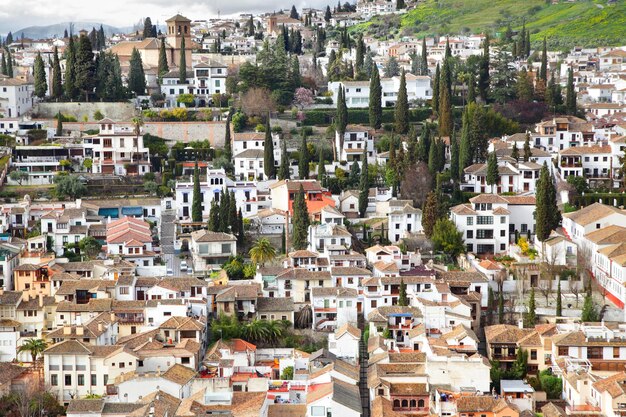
{"points": [[465, 148], [85, 68], [493, 176], [162, 68], [303, 163], [70, 70], [147, 28], [321, 167], [589, 313], [570, 95], [402, 108], [9, 63], [364, 186], [559, 300], [268, 152], [530, 317], [423, 147], [341, 121], [232, 212], [57, 87], [41, 86], [283, 173], [432, 157], [445, 104], [101, 39], [471, 89], [214, 217], [430, 213], [182, 67], [228, 148], [59, 124], [196, 203], [241, 233], [515, 152], [224, 212], [375, 103], [543, 71], [547, 214], [423, 67], [436, 83], [454, 158], [3, 68], [501, 308], [527, 150], [360, 55], [483, 71], [527, 44], [355, 174], [300, 221], [136, 75], [402, 298]]}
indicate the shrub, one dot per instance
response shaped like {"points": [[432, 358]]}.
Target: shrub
{"points": [[239, 122]]}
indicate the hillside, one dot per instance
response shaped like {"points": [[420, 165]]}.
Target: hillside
{"points": [[49, 31], [580, 23]]}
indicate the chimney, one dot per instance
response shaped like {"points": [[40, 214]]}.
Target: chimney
{"points": [[151, 412], [25, 296], [100, 327], [520, 323], [113, 318], [40, 300], [67, 329], [80, 330]]}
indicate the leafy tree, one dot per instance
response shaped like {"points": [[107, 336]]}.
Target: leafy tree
{"points": [[109, 85], [570, 94], [300, 221], [163, 67], [401, 113], [9, 59], [493, 176], [364, 186], [375, 100], [69, 186], [431, 213], [589, 312], [136, 75], [294, 13], [402, 298], [524, 87], [41, 86], [392, 68], [196, 203], [182, 66], [262, 252], [503, 81], [3, 66], [34, 347], [268, 152], [287, 374], [303, 163], [547, 214], [283, 173], [423, 67], [530, 318], [520, 366], [423, 147], [446, 238], [552, 385], [355, 174], [90, 247]]}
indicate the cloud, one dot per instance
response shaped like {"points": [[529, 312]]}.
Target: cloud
{"points": [[18, 14]]}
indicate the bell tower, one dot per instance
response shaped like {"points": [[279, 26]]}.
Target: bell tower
{"points": [[178, 27]]}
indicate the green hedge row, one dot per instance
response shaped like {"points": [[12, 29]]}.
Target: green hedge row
{"points": [[607, 198], [360, 116]]}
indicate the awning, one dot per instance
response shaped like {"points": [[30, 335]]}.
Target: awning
{"points": [[109, 212], [132, 211]]}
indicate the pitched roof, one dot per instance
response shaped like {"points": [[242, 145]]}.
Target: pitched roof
{"points": [[179, 374], [204, 235], [615, 385], [127, 229], [593, 213], [278, 304], [347, 395]]}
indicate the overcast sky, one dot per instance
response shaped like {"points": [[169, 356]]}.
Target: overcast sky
{"points": [[18, 14]]}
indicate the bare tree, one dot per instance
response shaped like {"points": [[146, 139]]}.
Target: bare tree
{"points": [[575, 289], [545, 288], [257, 102], [417, 183]]}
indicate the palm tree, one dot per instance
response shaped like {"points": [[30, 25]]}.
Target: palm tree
{"points": [[34, 346], [274, 330], [255, 330], [262, 252]]}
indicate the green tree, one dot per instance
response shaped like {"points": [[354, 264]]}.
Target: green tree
{"points": [[483, 71], [524, 87], [71, 91], [147, 28], [547, 214], [241, 232], [9, 63], [283, 172], [41, 86], [196, 203], [162, 67], [530, 318], [471, 89], [375, 103], [85, 67], [303, 163], [136, 75], [543, 71], [430, 213], [436, 85], [341, 120], [300, 221], [423, 67], [527, 150], [321, 167], [570, 93], [392, 68], [364, 186], [3, 66], [454, 158], [69, 186], [515, 152], [401, 113], [90, 247], [109, 86], [228, 149], [34, 347], [287, 374], [559, 299], [262, 252], [59, 131], [520, 366], [447, 239], [224, 212], [355, 174], [268, 152], [501, 308], [445, 103], [589, 312], [182, 66], [402, 298], [423, 147], [214, 217], [493, 176]]}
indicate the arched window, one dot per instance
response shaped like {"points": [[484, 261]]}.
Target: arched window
{"points": [[396, 403], [405, 403], [420, 403], [412, 403]]}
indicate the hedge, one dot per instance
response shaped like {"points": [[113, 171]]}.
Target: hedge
{"points": [[607, 198], [360, 116]]}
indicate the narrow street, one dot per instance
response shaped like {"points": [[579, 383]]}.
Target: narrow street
{"points": [[168, 230]]}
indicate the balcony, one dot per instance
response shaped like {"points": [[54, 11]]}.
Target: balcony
{"points": [[28, 333]]}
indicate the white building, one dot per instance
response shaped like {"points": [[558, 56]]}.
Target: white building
{"points": [[211, 249], [355, 140], [203, 81], [16, 96]]}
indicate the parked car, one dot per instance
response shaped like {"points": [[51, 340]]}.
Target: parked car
{"points": [[183, 266], [169, 272]]}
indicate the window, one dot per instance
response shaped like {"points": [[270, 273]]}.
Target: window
{"points": [[185, 360], [484, 220], [616, 352], [502, 219], [122, 365], [81, 380], [318, 411], [94, 379], [54, 380], [124, 290], [533, 355], [502, 233], [68, 379], [470, 234], [470, 221]]}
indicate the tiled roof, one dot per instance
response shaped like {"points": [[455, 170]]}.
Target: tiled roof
{"points": [[179, 374], [207, 236], [592, 213], [274, 304]]}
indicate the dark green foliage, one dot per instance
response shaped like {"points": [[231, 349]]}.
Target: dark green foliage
{"points": [[214, 217], [375, 101], [483, 72], [402, 108], [402, 298], [436, 86], [303, 163], [547, 214], [559, 300], [530, 317], [69, 186], [109, 85], [85, 66], [136, 76], [543, 71], [447, 239], [364, 186], [9, 65], [431, 213], [283, 173], [71, 92], [163, 67], [445, 102], [341, 121], [182, 65], [493, 176], [41, 86], [57, 87], [320, 117], [392, 68], [228, 147], [501, 308], [454, 158], [321, 167], [196, 203], [589, 312], [224, 212], [570, 94], [423, 147], [551, 384], [59, 131], [527, 149], [268, 152], [149, 31], [515, 152], [300, 221]]}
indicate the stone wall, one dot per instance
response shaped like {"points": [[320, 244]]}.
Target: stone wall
{"points": [[114, 111]]}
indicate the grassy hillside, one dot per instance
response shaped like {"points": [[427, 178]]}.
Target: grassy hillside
{"points": [[582, 23]]}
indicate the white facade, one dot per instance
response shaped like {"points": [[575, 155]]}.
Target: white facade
{"points": [[16, 97], [357, 92]]}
